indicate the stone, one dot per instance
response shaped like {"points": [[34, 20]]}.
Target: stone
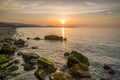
{"points": [[36, 38], [19, 42], [5, 65], [75, 58], [34, 47], [7, 49], [3, 58], [66, 54], [59, 76], [54, 37], [46, 65], [39, 74], [17, 61], [19, 53], [109, 69], [13, 68], [28, 67]]}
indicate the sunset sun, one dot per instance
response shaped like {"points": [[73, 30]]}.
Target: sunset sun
{"points": [[63, 21]]}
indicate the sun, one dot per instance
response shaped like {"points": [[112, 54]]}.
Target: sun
{"points": [[63, 21]]}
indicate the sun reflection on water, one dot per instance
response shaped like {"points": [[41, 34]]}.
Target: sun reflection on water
{"points": [[63, 33]]}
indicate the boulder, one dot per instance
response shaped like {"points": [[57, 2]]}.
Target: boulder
{"points": [[59, 76], [39, 74], [19, 42], [7, 49], [75, 58], [109, 69], [54, 37], [17, 61], [3, 58], [13, 68], [66, 54], [5, 65], [27, 57], [46, 65]]}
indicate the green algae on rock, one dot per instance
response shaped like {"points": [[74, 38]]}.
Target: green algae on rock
{"points": [[3, 58], [54, 37], [19, 42]]}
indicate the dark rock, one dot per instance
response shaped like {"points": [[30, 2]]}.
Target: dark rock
{"points": [[13, 68], [5, 65], [75, 58], [17, 61], [63, 68], [45, 65], [3, 73], [28, 38], [29, 67], [7, 49], [40, 75], [3, 58], [36, 38], [19, 42], [59, 76], [109, 69], [34, 47], [103, 79], [66, 54], [19, 53], [54, 37], [28, 56]]}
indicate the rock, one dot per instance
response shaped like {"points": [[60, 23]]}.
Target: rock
{"points": [[3, 73], [103, 79], [28, 38], [47, 66], [7, 49], [3, 58], [54, 37], [17, 61], [34, 47], [59, 76], [79, 71], [36, 38], [19, 53], [28, 67], [66, 54], [19, 42], [28, 56], [109, 69], [75, 58], [5, 65], [40, 75], [13, 68]]}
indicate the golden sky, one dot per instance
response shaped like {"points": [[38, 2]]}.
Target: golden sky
{"points": [[50, 12]]}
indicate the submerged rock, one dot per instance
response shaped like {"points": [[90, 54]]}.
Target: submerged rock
{"points": [[13, 68], [36, 38], [29, 56], [45, 65], [19, 42], [59, 76], [7, 49], [19, 53], [66, 54], [28, 67], [3, 58], [109, 69], [54, 37], [17, 61]]}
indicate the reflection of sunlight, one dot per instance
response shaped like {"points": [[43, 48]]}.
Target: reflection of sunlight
{"points": [[63, 32]]}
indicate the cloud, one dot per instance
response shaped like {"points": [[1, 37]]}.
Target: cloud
{"points": [[58, 6]]}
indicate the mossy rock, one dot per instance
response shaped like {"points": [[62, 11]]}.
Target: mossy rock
{"points": [[46, 65], [19, 42], [3, 58], [39, 75], [79, 71], [75, 58], [5, 65], [13, 68], [53, 37], [7, 49], [28, 56], [59, 76]]}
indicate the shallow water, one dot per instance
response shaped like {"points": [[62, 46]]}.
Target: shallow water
{"points": [[101, 45]]}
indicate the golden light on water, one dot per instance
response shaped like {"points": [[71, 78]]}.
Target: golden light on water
{"points": [[63, 32]]}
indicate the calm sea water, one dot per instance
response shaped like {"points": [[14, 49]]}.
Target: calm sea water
{"points": [[100, 45]]}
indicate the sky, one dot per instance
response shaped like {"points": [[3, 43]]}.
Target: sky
{"points": [[51, 12]]}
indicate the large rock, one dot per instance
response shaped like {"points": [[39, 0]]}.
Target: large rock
{"points": [[54, 37], [19, 42], [46, 65], [29, 56], [109, 69], [59, 76], [7, 49], [75, 58], [3, 58]]}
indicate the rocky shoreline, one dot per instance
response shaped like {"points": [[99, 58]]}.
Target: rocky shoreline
{"points": [[76, 68]]}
